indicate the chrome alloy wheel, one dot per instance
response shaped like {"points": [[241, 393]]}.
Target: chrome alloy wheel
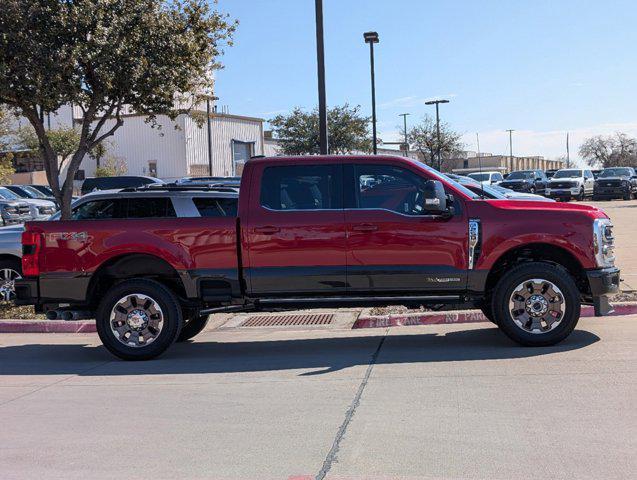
{"points": [[136, 320], [8, 276], [537, 306]]}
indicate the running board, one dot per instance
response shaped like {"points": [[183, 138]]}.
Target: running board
{"points": [[334, 302]]}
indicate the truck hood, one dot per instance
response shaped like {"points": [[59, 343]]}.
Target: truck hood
{"points": [[554, 207]]}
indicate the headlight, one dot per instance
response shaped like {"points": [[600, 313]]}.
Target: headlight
{"points": [[603, 242], [624, 183], [46, 210]]}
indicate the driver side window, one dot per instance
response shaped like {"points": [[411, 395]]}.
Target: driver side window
{"points": [[389, 188]]}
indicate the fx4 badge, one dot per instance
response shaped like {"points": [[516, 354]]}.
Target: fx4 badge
{"points": [[77, 236]]}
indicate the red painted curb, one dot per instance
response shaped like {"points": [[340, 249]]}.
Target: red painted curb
{"points": [[46, 326], [469, 316]]}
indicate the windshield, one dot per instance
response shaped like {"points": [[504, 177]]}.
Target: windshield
{"points": [[568, 174], [615, 172], [487, 191], [455, 184], [34, 192], [8, 194], [480, 177], [520, 176]]}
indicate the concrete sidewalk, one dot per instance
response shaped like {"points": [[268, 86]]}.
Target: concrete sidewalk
{"points": [[442, 401]]}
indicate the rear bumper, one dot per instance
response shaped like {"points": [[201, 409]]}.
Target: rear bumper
{"points": [[26, 291], [603, 282]]}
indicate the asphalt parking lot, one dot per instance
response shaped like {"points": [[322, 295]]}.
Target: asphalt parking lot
{"points": [[432, 402]]}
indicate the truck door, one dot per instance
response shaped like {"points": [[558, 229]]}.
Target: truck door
{"points": [[294, 238], [393, 244]]}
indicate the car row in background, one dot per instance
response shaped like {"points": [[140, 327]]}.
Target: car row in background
{"points": [[567, 183]]}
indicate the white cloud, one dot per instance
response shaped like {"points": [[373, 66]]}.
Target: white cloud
{"points": [[412, 101]]}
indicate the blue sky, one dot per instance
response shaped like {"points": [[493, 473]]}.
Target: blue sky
{"points": [[540, 67]]}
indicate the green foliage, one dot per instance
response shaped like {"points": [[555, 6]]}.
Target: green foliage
{"points": [[298, 131], [107, 57], [64, 141], [618, 150], [111, 167], [424, 139]]}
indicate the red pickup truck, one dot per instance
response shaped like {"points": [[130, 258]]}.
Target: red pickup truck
{"points": [[325, 231]]}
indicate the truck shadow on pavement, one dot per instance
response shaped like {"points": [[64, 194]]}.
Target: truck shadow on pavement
{"points": [[313, 356]]}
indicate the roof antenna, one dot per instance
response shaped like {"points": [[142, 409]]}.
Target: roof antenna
{"points": [[480, 165]]}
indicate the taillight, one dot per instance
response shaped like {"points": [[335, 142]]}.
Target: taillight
{"points": [[31, 243]]}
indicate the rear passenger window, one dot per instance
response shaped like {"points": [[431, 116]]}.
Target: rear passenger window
{"points": [[150, 208], [302, 187], [100, 210], [216, 207]]}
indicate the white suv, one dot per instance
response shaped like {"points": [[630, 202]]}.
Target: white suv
{"points": [[487, 178], [571, 183]]}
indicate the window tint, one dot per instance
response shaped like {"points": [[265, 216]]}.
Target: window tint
{"points": [[497, 177], [301, 188], [150, 208], [389, 188], [100, 210], [216, 207]]}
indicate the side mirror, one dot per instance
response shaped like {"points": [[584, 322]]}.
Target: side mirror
{"points": [[435, 198]]}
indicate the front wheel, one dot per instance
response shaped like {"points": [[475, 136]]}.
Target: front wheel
{"points": [[536, 304], [582, 194], [192, 327], [138, 319], [10, 271]]}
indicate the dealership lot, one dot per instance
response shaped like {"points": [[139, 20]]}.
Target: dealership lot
{"points": [[445, 401]]}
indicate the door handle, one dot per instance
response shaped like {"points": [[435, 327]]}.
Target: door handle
{"points": [[268, 230], [365, 227]]}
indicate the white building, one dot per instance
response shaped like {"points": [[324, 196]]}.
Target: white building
{"points": [[179, 148]]}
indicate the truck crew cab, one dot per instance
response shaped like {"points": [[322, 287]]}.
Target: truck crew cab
{"points": [[326, 231]]}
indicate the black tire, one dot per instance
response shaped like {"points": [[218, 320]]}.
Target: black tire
{"points": [[532, 190], [582, 194], [10, 270], [628, 196], [192, 327], [516, 276], [487, 311], [171, 313]]}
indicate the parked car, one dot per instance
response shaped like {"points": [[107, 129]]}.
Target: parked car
{"points": [[39, 208], [488, 178], [310, 233], [495, 192], [45, 189], [109, 183], [571, 183], [12, 209], [616, 182], [529, 181], [213, 181], [27, 191]]}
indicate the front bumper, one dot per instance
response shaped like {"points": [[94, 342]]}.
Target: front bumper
{"points": [[11, 219], [562, 192], [611, 192], [602, 283]]}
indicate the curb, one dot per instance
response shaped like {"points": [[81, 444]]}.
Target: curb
{"points": [[46, 326], [460, 316], [363, 321]]}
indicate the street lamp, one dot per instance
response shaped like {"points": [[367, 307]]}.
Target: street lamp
{"points": [[404, 115], [372, 38], [320, 67], [436, 103]]}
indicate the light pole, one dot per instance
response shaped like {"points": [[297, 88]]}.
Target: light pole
{"points": [[404, 115], [320, 67], [208, 98], [437, 103], [372, 38]]}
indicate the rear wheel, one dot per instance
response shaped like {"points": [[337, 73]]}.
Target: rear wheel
{"points": [[581, 195], [536, 304], [192, 327], [10, 271], [138, 319]]}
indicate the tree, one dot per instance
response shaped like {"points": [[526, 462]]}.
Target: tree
{"points": [[298, 131], [106, 57], [6, 140], [64, 141], [616, 150], [424, 139], [111, 167]]}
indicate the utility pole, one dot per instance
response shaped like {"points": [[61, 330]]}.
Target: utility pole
{"points": [[511, 143], [568, 153], [372, 38], [208, 122], [320, 64], [404, 115], [436, 103]]}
